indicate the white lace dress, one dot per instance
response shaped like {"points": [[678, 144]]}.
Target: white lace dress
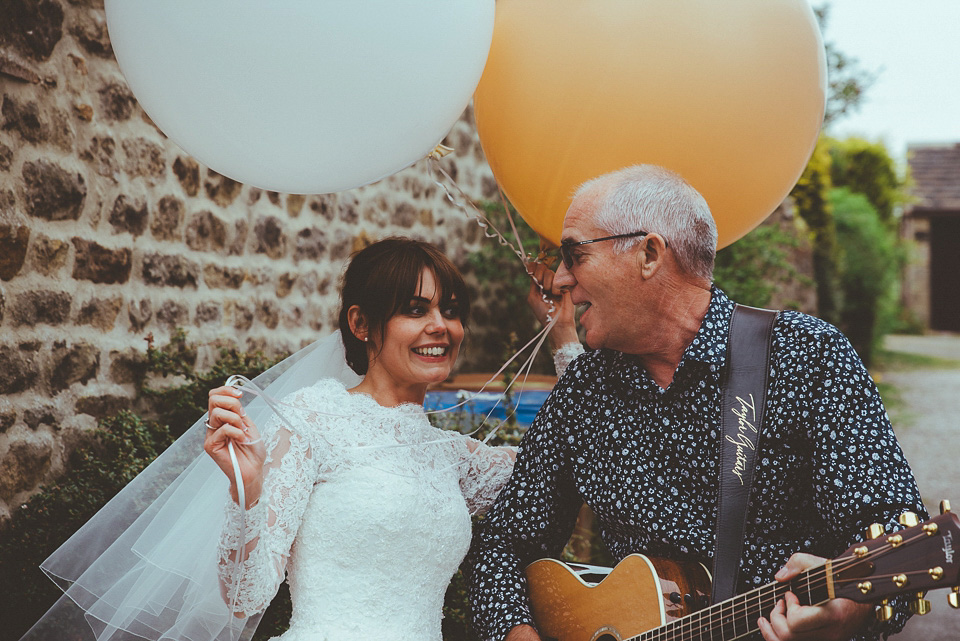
{"points": [[367, 513]]}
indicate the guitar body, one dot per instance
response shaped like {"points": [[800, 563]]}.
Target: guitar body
{"points": [[633, 598]]}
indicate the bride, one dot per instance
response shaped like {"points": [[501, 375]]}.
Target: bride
{"points": [[342, 487], [356, 496]]}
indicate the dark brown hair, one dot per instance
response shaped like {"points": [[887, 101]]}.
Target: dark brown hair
{"points": [[382, 278]]}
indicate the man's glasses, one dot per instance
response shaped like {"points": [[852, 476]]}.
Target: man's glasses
{"points": [[566, 247]]}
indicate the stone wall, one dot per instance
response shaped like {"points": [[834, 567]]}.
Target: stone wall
{"points": [[109, 233]]}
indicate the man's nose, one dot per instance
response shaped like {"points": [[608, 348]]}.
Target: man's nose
{"points": [[564, 278]]}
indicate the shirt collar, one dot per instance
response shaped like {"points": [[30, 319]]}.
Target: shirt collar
{"points": [[709, 346]]}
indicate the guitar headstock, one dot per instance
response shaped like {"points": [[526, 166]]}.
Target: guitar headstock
{"points": [[925, 556]]}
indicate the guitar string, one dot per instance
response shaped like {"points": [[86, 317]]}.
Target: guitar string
{"points": [[815, 578]]}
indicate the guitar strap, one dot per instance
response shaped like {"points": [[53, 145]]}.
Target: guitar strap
{"points": [[743, 395]]}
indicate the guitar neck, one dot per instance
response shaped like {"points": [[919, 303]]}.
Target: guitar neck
{"points": [[737, 617]]}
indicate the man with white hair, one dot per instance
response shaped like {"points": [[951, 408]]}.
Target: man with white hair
{"points": [[633, 426]]}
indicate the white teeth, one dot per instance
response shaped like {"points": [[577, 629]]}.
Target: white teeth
{"points": [[430, 351]]}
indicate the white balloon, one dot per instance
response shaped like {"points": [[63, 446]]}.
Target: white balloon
{"points": [[303, 96]]}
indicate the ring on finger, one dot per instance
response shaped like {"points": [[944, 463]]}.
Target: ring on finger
{"points": [[210, 427]]}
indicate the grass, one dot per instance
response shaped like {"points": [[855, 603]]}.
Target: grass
{"points": [[890, 361]]}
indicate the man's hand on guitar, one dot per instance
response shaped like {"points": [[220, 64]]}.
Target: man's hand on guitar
{"points": [[837, 620], [523, 632]]}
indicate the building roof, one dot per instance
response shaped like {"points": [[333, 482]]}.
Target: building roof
{"points": [[936, 175]]}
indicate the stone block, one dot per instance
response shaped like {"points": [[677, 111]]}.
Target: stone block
{"points": [[308, 283], [311, 244], [325, 206], [139, 314], [129, 215], [349, 210], [51, 192], [18, 369], [292, 317], [173, 314], [102, 406], [324, 285], [7, 420], [8, 202], [41, 308], [167, 219], [187, 172], [32, 27], [58, 129], [488, 188], [295, 204], [143, 158], [73, 364], [207, 313], [405, 215], [84, 111], [268, 313], [24, 119], [240, 230], [170, 271], [219, 277], [206, 232], [102, 155], [128, 366], [99, 264], [116, 102], [239, 315], [100, 312], [220, 189], [285, 283], [6, 157], [89, 28], [24, 467], [14, 241], [270, 237], [49, 255], [342, 246], [34, 417]]}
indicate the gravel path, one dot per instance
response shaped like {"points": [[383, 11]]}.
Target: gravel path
{"points": [[928, 428]]}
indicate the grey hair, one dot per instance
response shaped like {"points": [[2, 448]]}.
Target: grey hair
{"points": [[656, 200]]}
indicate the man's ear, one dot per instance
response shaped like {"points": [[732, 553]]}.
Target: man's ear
{"points": [[650, 255], [358, 323]]}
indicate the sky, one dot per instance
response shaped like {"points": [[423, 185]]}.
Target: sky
{"points": [[914, 47]]}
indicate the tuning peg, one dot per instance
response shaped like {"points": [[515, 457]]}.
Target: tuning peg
{"points": [[874, 531], [920, 605], [884, 611], [944, 506], [954, 598], [908, 519]]}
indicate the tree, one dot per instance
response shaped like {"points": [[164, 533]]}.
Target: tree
{"points": [[848, 82], [869, 261], [866, 168]]}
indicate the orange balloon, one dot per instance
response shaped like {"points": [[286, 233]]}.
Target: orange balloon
{"points": [[729, 94]]}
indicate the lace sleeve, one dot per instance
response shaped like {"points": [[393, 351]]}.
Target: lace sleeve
{"points": [[485, 471], [564, 355], [290, 471]]}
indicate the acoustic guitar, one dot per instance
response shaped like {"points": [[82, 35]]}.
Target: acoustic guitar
{"points": [[648, 599]]}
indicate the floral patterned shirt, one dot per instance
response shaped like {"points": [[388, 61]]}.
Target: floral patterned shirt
{"points": [[646, 461]]}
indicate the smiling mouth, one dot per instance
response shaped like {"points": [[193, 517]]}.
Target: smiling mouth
{"points": [[430, 351]]}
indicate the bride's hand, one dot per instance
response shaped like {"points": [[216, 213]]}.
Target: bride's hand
{"points": [[227, 421]]}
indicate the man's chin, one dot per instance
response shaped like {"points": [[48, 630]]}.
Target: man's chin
{"points": [[592, 340]]}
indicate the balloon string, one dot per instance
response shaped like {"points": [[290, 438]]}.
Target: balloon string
{"points": [[485, 224]]}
